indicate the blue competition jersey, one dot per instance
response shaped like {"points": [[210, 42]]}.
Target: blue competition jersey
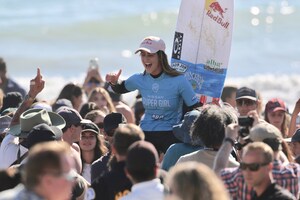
{"points": [[162, 99]]}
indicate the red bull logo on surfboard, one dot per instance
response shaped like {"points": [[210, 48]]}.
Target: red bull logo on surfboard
{"points": [[216, 12], [215, 6]]}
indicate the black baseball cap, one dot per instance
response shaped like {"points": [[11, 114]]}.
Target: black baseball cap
{"points": [[90, 126], [246, 93], [296, 136], [112, 121], [71, 116], [42, 133]]}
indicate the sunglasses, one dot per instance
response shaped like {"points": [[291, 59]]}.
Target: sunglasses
{"points": [[94, 81], [252, 166], [69, 176], [246, 102], [90, 137]]}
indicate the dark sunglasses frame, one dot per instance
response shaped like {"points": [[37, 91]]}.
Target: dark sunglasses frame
{"points": [[95, 81], [252, 166], [247, 102]]}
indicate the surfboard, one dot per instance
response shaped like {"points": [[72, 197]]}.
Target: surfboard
{"points": [[202, 43]]}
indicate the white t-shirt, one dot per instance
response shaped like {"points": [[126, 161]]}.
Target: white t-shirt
{"points": [[9, 151], [148, 190], [86, 172]]}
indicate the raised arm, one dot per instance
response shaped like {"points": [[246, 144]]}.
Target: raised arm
{"points": [[224, 152], [116, 85], [113, 78], [36, 86], [93, 73], [295, 113]]}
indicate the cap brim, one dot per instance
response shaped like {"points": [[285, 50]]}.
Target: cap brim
{"points": [[145, 49], [247, 97], [90, 130], [278, 109], [295, 138], [85, 121], [287, 139], [57, 120]]}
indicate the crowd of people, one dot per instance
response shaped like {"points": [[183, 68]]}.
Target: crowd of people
{"points": [[167, 146]]}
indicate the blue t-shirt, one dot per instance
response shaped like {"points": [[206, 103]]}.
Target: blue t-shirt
{"points": [[162, 99]]}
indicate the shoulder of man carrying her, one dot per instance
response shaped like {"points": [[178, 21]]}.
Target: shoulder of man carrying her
{"points": [[182, 130]]}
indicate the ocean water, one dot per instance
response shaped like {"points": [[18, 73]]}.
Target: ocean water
{"points": [[61, 36]]}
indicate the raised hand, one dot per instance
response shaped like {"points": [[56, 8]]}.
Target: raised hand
{"points": [[113, 77], [232, 131], [37, 84], [254, 115], [293, 122], [297, 107]]}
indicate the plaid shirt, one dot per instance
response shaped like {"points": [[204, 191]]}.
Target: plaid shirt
{"points": [[287, 176]]}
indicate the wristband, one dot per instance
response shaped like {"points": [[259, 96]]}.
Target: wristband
{"points": [[28, 97], [230, 140], [111, 84]]}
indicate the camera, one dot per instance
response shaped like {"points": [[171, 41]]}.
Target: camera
{"points": [[245, 123], [94, 64]]}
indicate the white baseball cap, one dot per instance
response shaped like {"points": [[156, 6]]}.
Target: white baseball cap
{"points": [[152, 44]]}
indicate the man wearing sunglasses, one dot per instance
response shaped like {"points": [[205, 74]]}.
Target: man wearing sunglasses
{"points": [[246, 100], [286, 175], [72, 132], [256, 167], [48, 174]]}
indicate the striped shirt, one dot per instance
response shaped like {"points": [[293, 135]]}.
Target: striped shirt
{"points": [[287, 176]]}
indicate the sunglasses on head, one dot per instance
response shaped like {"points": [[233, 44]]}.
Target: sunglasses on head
{"points": [[252, 166], [246, 102], [95, 81]]}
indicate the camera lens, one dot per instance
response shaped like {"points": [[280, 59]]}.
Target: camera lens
{"points": [[244, 131]]}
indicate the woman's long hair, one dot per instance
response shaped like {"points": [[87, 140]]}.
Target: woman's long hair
{"points": [[105, 94], [99, 150], [284, 126]]}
